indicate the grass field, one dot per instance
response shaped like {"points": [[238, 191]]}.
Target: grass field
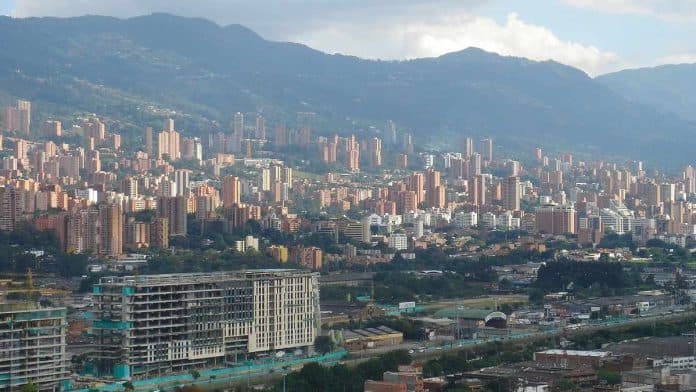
{"points": [[487, 302], [307, 175]]}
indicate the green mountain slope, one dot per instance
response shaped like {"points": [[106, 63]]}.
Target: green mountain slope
{"points": [[205, 72], [668, 88]]}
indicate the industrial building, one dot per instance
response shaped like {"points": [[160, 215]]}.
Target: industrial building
{"points": [[32, 347], [158, 324]]}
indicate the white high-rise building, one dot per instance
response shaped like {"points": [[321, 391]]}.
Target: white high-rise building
{"points": [[465, 220], [182, 180], [418, 228], [489, 220], [155, 324], [398, 241]]}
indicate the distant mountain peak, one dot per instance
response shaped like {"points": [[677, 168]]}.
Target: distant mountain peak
{"points": [[195, 66]]}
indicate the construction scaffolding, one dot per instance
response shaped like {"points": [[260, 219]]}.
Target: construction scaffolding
{"points": [[157, 324], [32, 347]]}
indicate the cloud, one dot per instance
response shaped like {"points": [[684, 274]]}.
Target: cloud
{"points": [[448, 33], [681, 58], [384, 29], [669, 10]]}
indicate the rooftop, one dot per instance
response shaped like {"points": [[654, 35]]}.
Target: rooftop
{"points": [[656, 347], [202, 277], [576, 353]]}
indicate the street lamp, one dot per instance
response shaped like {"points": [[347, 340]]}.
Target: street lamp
{"points": [[285, 373]]}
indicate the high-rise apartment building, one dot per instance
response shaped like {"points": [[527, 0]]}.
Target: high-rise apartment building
{"points": [[21, 149], [183, 182], [667, 193], [477, 190], [168, 142], [93, 128], [416, 184], [264, 179], [287, 176], [82, 229], [33, 342], [159, 233], [10, 208], [231, 191], [432, 182], [511, 193], [305, 135], [308, 257], [328, 152], [52, 128], [148, 141], [352, 154], [110, 230], [474, 165], [158, 324], [129, 187], [17, 118], [375, 152], [192, 149], [555, 220], [391, 133], [280, 136], [260, 128], [237, 132], [174, 210], [275, 171], [468, 147]]}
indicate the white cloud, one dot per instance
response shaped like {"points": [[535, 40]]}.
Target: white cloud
{"points": [[681, 58], [448, 33], [669, 10], [385, 29]]}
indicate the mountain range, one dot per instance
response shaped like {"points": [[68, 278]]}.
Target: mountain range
{"points": [[139, 69]]}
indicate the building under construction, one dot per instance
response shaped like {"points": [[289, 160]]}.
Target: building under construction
{"points": [[157, 324], [32, 347]]}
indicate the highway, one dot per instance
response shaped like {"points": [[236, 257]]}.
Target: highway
{"points": [[429, 349], [253, 373]]}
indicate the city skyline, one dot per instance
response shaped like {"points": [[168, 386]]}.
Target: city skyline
{"points": [[189, 207]]}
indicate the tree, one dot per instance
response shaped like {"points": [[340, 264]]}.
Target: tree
{"points": [[323, 344], [190, 388], [565, 385], [195, 374], [30, 387], [128, 386], [610, 377]]}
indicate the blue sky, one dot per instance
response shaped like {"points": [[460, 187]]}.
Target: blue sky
{"points": [[597, 36], [642, 39], [6, 6]]}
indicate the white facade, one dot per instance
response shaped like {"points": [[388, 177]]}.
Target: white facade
{"points": [[465, 220], [398, 241], [189, 321], [248, 243], [181, 179], [89, 194], [418, 228]]}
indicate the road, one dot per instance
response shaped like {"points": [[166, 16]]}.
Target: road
{"points": [[430, 349], [220, 378]]}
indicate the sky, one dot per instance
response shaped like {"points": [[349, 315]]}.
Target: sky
{"points": [[597, 36]]}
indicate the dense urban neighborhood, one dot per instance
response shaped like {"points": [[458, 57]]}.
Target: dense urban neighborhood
{"points": [[170, 246]]}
